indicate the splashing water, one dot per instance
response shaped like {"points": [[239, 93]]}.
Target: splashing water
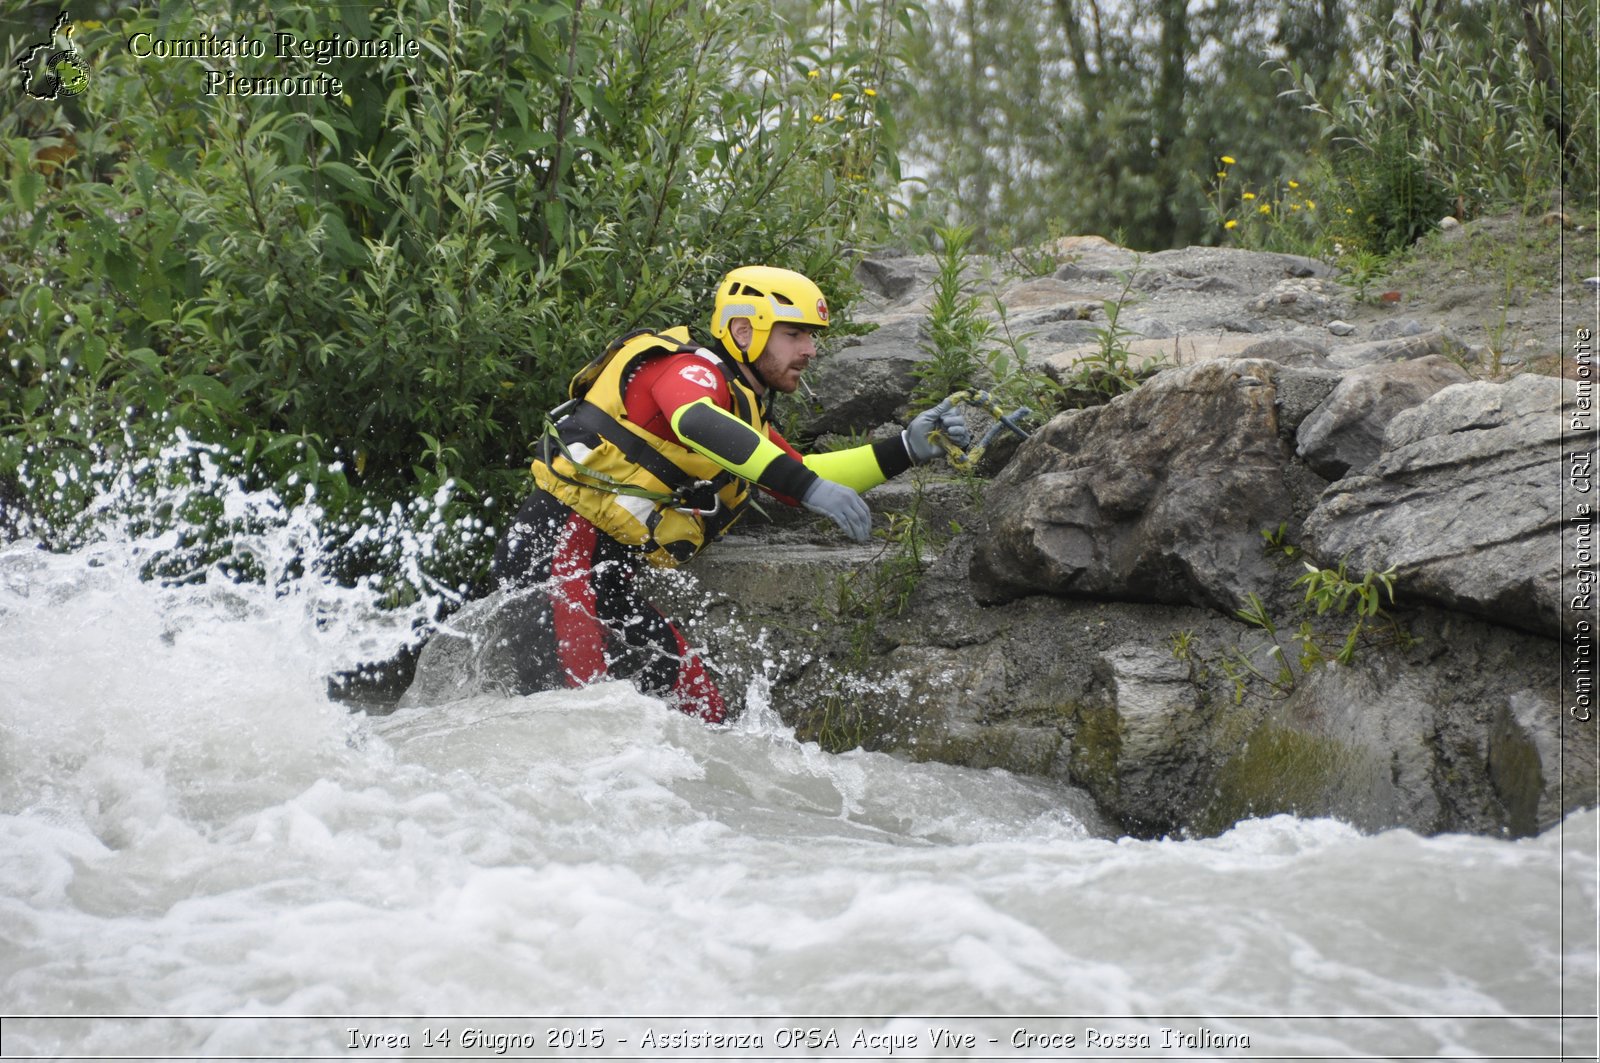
{"points": [[191, 829]]}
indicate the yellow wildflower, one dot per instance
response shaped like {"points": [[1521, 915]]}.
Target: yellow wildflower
{"points": [[1265, 208], [1294, 184], [837, 96], [1231, 224], [813, 73], [1228, 160], [1311, 204], [1249, 195], [816, 118], [870, 92]]}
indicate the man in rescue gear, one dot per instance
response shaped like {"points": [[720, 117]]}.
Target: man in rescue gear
{"points": [[655, 458]]}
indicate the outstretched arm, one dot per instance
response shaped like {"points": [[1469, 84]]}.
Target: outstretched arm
{"points": [[864, 466], [712, 431]]}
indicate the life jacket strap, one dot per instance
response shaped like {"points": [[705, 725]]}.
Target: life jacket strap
{"points": [[687, 494]]}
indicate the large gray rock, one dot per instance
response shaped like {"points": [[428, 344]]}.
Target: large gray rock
{"points": [[1351, 742], [863, 384], [1137, 745], [1158, 496], [475, 653], [1456, 730], [1289, 350], [890, 277], [1300, 392], [1346, 431], [1464, 502], [1400, 349]]}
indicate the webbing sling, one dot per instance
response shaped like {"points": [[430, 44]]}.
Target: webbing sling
{"points": [[590, 418]]}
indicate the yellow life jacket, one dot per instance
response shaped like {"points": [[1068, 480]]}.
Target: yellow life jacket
{"points": [[644, 491]]}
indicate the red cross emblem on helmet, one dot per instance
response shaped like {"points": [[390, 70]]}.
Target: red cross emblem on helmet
{"points": [[822, 310]]}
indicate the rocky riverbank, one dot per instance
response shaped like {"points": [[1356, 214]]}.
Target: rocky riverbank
{"points": [[1082, 613]]}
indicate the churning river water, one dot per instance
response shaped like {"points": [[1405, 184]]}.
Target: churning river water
{"points": [[202, 855]]}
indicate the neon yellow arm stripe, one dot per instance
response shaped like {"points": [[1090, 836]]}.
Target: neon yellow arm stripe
{"points": [[856, 468]]}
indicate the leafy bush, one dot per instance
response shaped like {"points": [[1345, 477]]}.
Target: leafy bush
{"points": [[373, 296], [1385, 199], [1460, 109]]}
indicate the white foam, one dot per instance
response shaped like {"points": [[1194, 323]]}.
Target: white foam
{"points": [[189, 826]]}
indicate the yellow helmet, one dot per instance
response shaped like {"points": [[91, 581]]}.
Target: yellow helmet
{"points": [[765, 295]]}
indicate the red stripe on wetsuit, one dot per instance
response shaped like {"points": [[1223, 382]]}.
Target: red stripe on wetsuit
{"points": [[581, 636]]}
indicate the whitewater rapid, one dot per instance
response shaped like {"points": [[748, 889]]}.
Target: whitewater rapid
{"points": [[192, 831]]}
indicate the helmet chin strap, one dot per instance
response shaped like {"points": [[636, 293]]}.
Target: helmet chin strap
{"points": [[746, 360]]}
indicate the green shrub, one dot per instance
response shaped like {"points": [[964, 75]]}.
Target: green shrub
{"points": [[374, 296], [1383, 198], [1459, 109]]}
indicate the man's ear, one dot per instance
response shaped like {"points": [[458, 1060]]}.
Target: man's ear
{"points": [[741, 330]]}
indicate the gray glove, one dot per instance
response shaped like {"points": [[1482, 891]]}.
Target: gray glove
{"points": [[942, 417], [841, 505]]}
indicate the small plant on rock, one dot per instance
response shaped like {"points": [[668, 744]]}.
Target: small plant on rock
{"points": [[1274, 667], [1110, 369], [1012, 381]]}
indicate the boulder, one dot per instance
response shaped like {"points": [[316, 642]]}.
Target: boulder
{"points": [[1452, 728], [1158, 496], [1134, 746], [476, 652], [1464, 502], [892, 278], [862, 384], [1346, 431], [1399, 349], [1351, 742], [1397, 328], [1289, 350]]}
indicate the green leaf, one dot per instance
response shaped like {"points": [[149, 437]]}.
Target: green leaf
{"points": [[209, 390], [144, 177], [25, 188], [325, 130], [346, 250]]}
